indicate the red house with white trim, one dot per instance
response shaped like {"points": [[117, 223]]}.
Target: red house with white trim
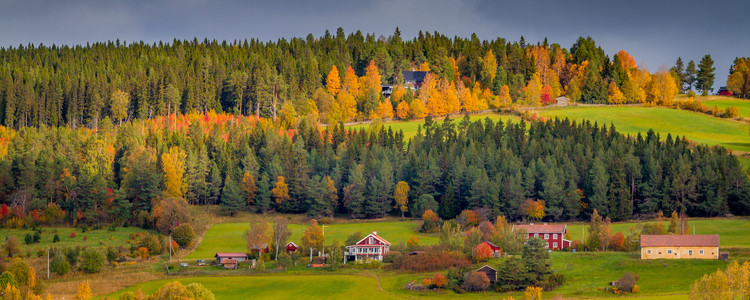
{"points": [[291, 247], [496, 251], [554, 234], [372, 246]]}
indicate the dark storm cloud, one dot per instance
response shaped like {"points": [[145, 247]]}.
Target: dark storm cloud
{"points": [[654, 32]]}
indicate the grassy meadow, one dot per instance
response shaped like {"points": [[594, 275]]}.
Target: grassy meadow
{"points": [[229, 237], [91, 238], [741, 104], [586, 275], [697, 127], [410, 127]]}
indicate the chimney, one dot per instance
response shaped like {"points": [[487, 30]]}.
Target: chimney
{"points": [[375, 232]]}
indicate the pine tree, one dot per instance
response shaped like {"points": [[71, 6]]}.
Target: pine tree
{"points": [[706, 74], [232, 200], [598, 181], [263, 198]]}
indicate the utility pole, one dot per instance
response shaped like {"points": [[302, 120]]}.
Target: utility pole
{"points": [[47, 262], [170, 248]]}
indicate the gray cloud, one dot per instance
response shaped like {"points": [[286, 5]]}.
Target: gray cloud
{"points": [[654, 32]]}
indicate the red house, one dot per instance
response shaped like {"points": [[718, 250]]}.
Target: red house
{"points": [[554, 235], [291, 247], [724, 91], [495, 249], [372, 246]]}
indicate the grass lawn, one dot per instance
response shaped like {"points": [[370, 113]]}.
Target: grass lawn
{"points": [[410, 127], [742, 104], [733, 232], [700, 128], [229, 237], [586, 274], [91, 238], [280, 287]]}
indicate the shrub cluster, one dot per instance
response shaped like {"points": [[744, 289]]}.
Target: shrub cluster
{"points": [[429, 261]]}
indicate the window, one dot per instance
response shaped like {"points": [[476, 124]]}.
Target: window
{"points": [[554, 245], [700, 251], [690, 251], [536, 235], [669, 251], [370, 241], [546, 236], [648, 251], [554, 236]]}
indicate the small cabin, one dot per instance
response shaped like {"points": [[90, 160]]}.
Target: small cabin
{"points": [[319, 262], [724, 91], [490, 272], [230, 264], [224, 256], [562, 101], [496, 251], [291, 247]]}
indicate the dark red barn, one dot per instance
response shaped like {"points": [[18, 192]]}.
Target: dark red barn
{"points": [[496, 251], [291, 247], [554, 234]]}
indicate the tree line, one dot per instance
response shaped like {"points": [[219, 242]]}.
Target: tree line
{"points": [[149, 171], [330, 78]]}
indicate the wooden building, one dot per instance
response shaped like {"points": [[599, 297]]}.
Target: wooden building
{"points": [[553, 234], [496, 251], [230, 263], [223, 256], [680, 246], [490, 272], [372, 246], [562, 101], [291, 247]]}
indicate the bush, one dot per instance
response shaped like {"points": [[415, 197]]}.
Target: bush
{"points": [[59, 265], [439, 280], [429, 221], [72, 255], [627, 282], [367, 263], [731, 112], [28, 239], [37, 236], [56, 238], [553, 282], [91, 261], [183, 235], [151, 242], [482, 252], [430, 261], [476, 282]]}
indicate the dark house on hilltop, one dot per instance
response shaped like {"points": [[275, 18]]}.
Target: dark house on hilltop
{"points": [[724, 91], [414, 79]]}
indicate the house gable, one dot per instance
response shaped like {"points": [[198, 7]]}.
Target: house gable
{"points": [[373, 239]]}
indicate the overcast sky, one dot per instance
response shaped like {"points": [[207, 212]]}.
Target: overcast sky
{"points": [[655, 32]]}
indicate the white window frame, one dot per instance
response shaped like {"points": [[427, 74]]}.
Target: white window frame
{"points": [[536, 235], [554, 245], [669, 251], [546, 236], [700, 251], [690, 251], [648, 251], [554, 235]]}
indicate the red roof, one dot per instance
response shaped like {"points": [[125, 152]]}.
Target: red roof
{"points": [[230, 254], [556, 228], [680, 240], [374, 234]]}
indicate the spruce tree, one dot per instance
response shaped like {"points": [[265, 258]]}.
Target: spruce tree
{"points": [[706, 74], [232, 200]]}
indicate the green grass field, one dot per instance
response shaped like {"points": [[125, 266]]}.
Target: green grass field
{"points": [[700, 128], [586, 274], [733, 232], [742, 105], [93, 238], [229, 237], [410, 127]]}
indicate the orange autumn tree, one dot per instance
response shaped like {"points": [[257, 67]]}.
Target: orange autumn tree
{"points": [[615, 96], [533, 209], [313, 237], [249, 187], [626, 60], [431, 96], [351, 83], [541, 62], [439, 280], [333, 81], [662, 88], [280, 191], [417, 109], [402, 110], [172, 165], [533, 91], [344, 108], [449, 93], [482, 252], [372, 77], [424, 67], [385, 109], [401, 195]]}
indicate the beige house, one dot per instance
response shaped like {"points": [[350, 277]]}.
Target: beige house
{"points": [[680, 246]]}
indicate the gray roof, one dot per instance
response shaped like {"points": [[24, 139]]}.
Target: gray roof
{"points": [[414, 76]]}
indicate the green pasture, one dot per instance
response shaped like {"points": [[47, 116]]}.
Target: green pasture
{"points": [[733, 232], [91, 238], [697, 127], [229, 237], [742, 104], [410, 127], [587, 274]]}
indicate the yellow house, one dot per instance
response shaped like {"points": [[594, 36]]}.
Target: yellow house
{"points": [[680, 246]]}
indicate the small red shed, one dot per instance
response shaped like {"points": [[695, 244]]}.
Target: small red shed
{"points": [[496, 251], [291, 247]]}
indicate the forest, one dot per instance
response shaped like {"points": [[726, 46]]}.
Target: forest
{"points": [[332, 78], [147, 169]]}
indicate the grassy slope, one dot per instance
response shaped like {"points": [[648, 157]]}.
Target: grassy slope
{"points": [[410, 127], [95, 238], [701, 128], [742, 105], [228, 237], [734, 232]]}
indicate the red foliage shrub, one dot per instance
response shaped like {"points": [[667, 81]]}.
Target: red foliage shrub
{"points": [[482, 252], [432, 260], [468, 218], [439, 280]]}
